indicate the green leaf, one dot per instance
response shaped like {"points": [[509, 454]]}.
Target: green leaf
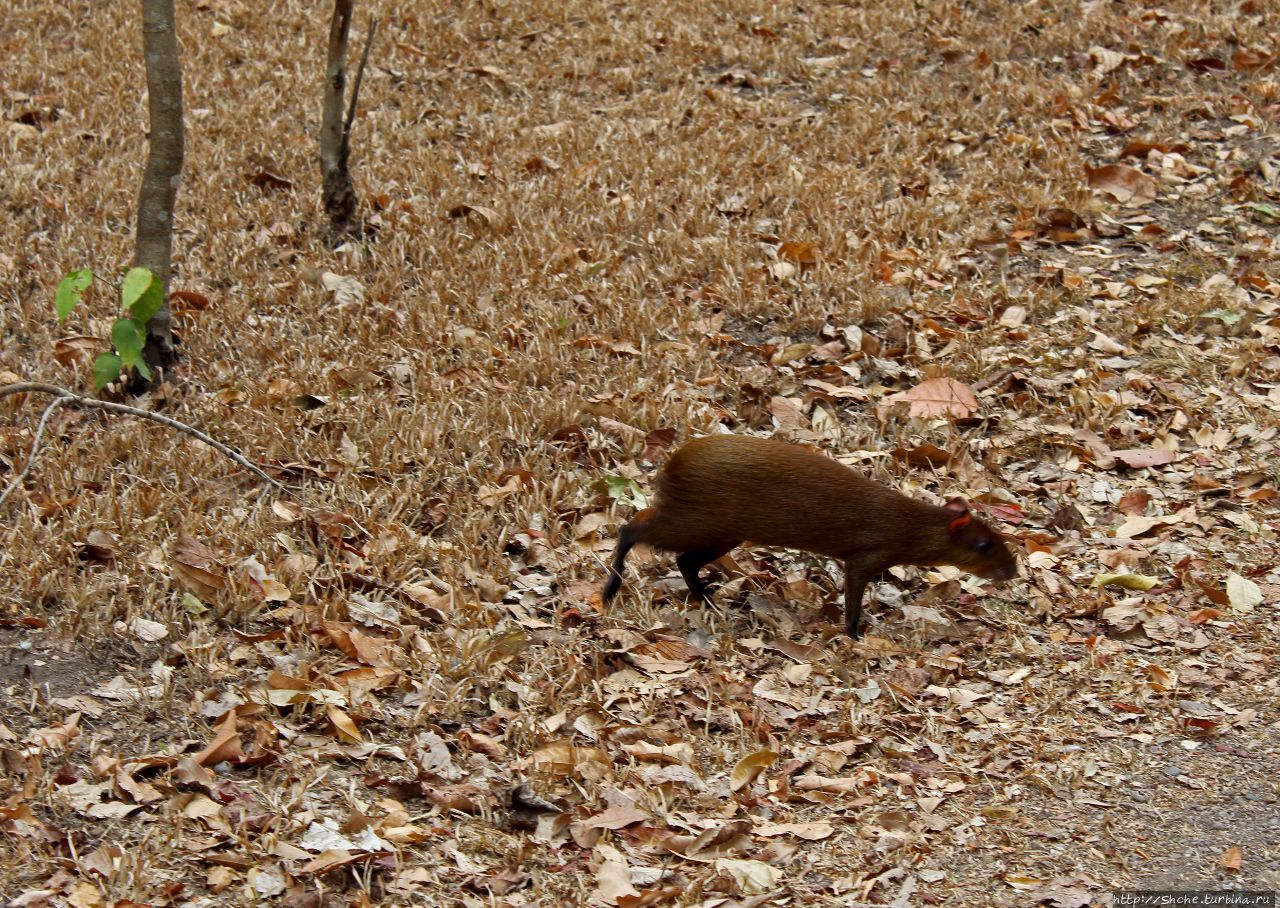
{"points": [[106, 369], [69, 290], [141, 295], [1226, 316], [128, 339], [1265, 212], [621, 488], [134, 285]]}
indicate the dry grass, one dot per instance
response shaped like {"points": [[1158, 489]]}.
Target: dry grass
{"points": [[628, 284]]}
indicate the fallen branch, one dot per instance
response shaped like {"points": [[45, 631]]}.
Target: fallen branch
{"points": [[65, 398]]}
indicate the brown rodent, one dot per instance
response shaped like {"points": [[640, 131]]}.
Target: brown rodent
{"points": [[720, 491]]}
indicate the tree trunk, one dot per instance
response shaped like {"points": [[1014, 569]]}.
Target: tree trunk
{"points": [[153, 246], [338, 192]]}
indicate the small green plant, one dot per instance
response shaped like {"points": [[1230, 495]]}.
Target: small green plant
{"points": [[622, 489], [141, 296]]}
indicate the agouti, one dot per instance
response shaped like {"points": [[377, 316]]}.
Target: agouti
{"points": [[720, 491]]}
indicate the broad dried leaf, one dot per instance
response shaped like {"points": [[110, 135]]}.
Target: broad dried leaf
{"points": [[752, 877], [1124, 184], [1243, 594], [749, 767], [1138, 458], [198, 567], [613, 876], [938, 397]]}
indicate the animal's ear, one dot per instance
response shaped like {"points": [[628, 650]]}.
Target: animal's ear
{"points": [[959, 523], [959, 505]]}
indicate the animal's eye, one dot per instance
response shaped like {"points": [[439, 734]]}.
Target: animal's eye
{"points": [[985, 545]]}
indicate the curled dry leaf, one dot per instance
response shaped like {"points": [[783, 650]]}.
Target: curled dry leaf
{"points": [[344, 725], [613, 876], [749, 767], [752, 877], [347, 291], [55, 736], [643, 751], [488, 216], [1137, 525], [198, 567], [225, 746], [1134, 502], [77, 351], [147, 630], [616, 817], [925, 455], [100, 547], [801, 253], [1125, 184], [1139, 582]]}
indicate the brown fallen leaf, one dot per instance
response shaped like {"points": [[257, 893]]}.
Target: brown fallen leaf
{"points": [[198, 567], [937, 397], [344, 725], [613, 876], [225, 746], [749, 767], [55, 736], [489, 216], [1134, 502], [564, 759], [1138, 458], [811, 832], [616, 817], [1125, 184], [100, 547], [78, 350], [801, 253], [925, 455]]}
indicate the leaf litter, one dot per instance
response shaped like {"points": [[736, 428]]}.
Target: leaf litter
{"points": [[1024, 255]]}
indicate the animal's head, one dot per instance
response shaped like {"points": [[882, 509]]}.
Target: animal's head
{"points": [[977, 547]]}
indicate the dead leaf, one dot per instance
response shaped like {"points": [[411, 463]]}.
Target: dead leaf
{"points": [[1125, 184], [750, 766], [937, 397], [613, 876], [1139, 458], [925, 455], [1243, 594], [804, 254], [752, 877], [225, 746], [198, 567], [811, 832]]}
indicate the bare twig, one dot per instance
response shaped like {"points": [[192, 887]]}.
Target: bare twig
{"points": [[68, 398], [35, 447], [355, 86]]}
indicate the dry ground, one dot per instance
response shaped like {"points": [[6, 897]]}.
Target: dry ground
{"points": [[604, 228]]}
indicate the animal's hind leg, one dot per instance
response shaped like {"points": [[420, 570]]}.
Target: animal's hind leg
{"points": [[630, 534], [692, 562]]}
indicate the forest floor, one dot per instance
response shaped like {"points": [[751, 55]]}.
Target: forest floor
{"points": [[602, 229]]}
